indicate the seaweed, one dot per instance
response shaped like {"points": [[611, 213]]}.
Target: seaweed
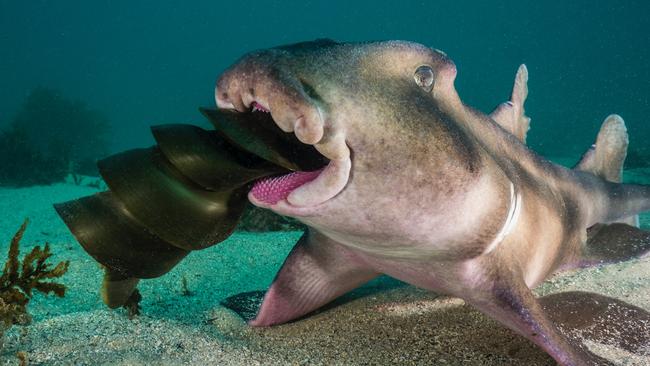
{"points": [[23, 164], [23, 358], [185, 288], [50, 137], [132, 305], [19, 280]]}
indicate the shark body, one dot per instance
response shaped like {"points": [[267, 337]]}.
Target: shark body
{"points": [[422, 187]]}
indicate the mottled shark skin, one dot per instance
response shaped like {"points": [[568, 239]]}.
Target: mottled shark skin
{"points": [[419, 186]]}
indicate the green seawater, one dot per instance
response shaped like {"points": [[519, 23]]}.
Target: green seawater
{"points": [[152, 62]]}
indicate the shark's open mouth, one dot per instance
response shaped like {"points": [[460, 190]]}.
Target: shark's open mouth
{"points": [[282, 99], [310, 176], [271, 190]]}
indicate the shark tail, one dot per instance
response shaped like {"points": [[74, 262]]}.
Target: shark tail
{"points": [[624, 203], [613, 234], [605, 159]]}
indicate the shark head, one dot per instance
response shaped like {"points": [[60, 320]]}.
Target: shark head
{"points": [[373, 110]]}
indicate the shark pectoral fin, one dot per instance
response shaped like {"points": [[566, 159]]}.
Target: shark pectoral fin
{"points": [[511, 115], [503, 295], [317, 271], [590, 316]]}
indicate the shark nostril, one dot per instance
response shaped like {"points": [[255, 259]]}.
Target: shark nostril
{"points": [[223, 100]]}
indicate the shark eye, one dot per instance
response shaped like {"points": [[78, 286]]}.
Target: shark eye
{"points": [[424, 77]]}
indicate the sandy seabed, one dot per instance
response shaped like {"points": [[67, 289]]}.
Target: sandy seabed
{"points": [[385, 322]]}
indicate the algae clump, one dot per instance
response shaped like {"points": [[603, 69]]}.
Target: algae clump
{"points": [[20, 279]]}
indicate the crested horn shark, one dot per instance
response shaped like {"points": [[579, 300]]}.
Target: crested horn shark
{"points": [[394, 175]]}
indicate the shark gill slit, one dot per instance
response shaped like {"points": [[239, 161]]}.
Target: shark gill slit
{"points": [[511, 219]]}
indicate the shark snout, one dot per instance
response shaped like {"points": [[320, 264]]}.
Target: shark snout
{"points": [[251, 86], [254, 85]]}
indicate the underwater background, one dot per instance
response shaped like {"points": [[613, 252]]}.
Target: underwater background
{"points": [[80, 80], [152, 62]]}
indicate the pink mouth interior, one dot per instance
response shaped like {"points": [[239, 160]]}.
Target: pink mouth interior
{"points": [[274, 189]]}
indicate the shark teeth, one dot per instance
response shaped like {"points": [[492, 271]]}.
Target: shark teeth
{"points": [[256, 107]]}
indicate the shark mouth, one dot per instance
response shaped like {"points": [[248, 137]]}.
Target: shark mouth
{"points": [[271, 190], [313, 172]]}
